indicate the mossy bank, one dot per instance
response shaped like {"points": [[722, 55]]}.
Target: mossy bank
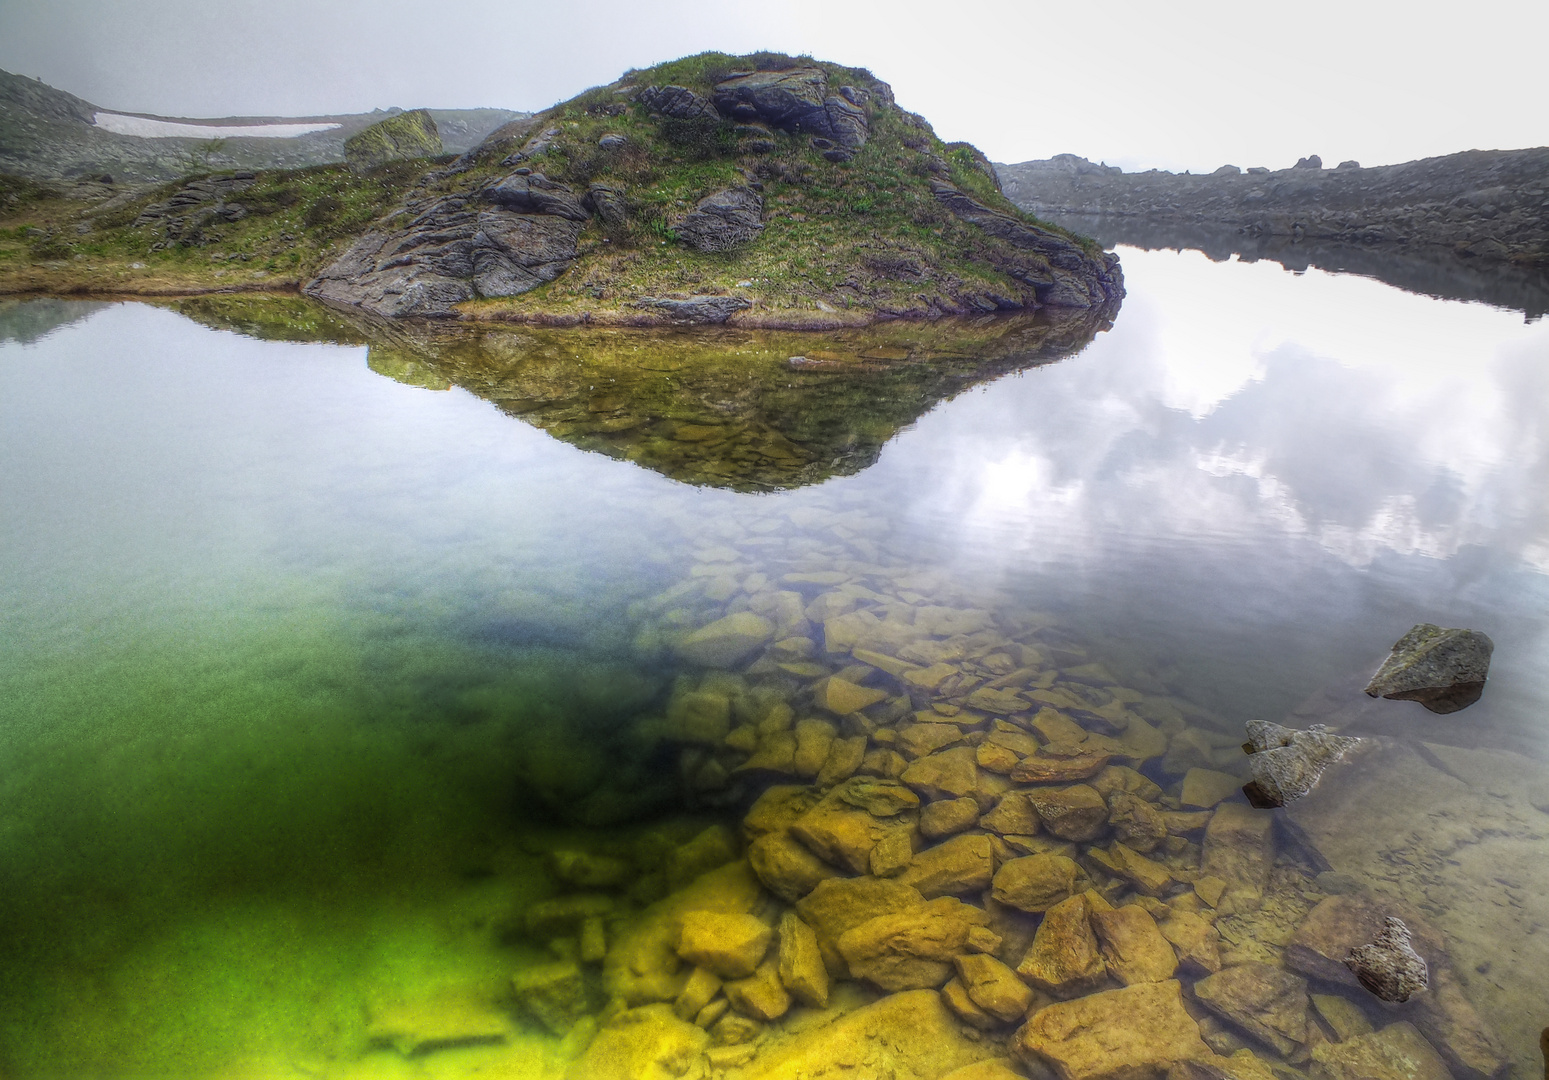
{"points": [[763, 190]]}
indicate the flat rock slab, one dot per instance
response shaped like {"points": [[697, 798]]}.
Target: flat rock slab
{"points": [[906, 1036], [1397, 1052], [1136, 1033]]}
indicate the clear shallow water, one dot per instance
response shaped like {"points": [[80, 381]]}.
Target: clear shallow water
{"points": [[305, 668]]}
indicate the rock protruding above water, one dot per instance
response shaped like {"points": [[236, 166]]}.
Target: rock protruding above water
{"points": [[1389, 967], [1287, 763], [411, 134], [1443, 669]]}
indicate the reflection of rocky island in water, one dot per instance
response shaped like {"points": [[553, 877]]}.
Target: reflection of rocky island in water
{"points": [[741, 409]]}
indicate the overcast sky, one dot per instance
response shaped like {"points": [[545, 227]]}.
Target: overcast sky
{"points": [[1182, 85]]}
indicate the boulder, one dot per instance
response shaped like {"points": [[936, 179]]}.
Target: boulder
{"points": [[727, 641], [990, 1069], [955, 994], [456, 1017], [1197, 941], [1058, 768], [648, 1043], [1036, 882], [1338, 924], [893, 853], [761, 995], [1135, 1033], [839, 905], [947, 817], [878, 796], [950, 774], [963, 864], [643, 965], [842, 697], [411, 134], [794, 100], [1065, 958], [1263, 1000], [723, 220], [1133, 946], [552, 994], [1397, 1052], [840, 834], [1442, 669], [1287, 763], [700, 989], [906, 1036], [814, 738], [993, 986], [910, 949], [1389, 966], [786, 867], [1013, 815], [1136, 823], [729, 944], [1146, 875], [608, 203], [801, 962], [1071, 813]]}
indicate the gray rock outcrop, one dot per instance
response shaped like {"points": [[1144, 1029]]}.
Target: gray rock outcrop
{"points": [[795, 100], [1389, 967], [1287, 763], [1442, 669], [677, 102], [517, 234], [695, 309], [723, 220]]}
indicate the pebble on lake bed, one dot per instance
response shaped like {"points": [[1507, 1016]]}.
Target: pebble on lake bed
{"points": [[1389, 967]]}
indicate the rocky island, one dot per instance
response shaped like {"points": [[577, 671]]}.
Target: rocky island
{"points": [[765, 190]]}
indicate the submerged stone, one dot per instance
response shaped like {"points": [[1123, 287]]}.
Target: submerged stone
{"points": [[1389, 967], [1397, 1052], [1287, 763], [1065, 959], [1266, 1001], [1131, 1034], [1443, 669], [727, 641]]}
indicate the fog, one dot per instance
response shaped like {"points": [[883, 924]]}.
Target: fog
{"points": [[1190, 85]]}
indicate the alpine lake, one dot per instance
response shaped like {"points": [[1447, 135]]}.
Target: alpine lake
{"points": [[391, 701]]}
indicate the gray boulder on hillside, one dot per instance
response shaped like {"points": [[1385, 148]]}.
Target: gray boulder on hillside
{"points": [[724, 220], [1442, 669]]}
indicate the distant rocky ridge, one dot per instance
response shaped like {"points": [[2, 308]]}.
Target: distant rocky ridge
{"points": [[1481, 204], [47, 134]]}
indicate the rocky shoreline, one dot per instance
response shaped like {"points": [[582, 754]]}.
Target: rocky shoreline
{"points": [[1490, 206]]}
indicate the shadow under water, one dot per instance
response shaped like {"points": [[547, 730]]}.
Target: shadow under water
{"points": [[746, 410], [1429, 271]]}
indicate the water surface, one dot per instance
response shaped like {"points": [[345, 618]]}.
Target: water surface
{"points": [[306, 667]]}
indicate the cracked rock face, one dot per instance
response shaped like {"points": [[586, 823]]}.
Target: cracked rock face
{"points": [[795, 100], [1288, 763], [1443, 669], [1389, 967], [724, 220], [678, 102]]}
